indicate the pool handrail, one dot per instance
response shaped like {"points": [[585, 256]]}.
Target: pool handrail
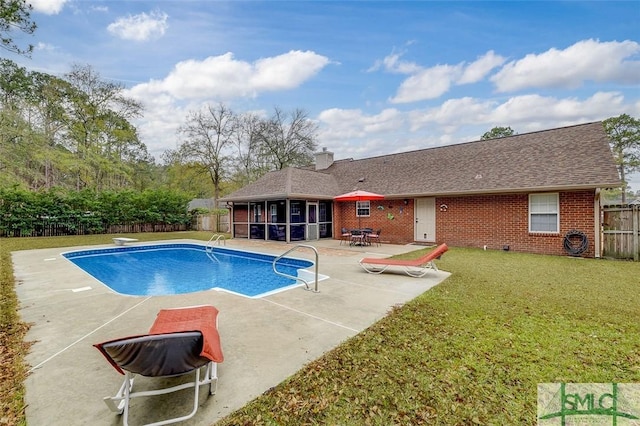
{"points": [[215, 238], [208, 249], [306, 283]]}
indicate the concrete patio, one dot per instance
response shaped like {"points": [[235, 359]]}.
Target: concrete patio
{"points": [[264, 340]]}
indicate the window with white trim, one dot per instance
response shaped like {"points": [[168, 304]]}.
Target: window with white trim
{"points": [[363, 208], [544, 213]]}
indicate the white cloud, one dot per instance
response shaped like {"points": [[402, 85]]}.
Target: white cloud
{"points": [[479, 69], [162, 117], [286, 71], [522, 110], [453, 113], [521, 113], [429, 83], [44, 47], [392, 63], [223, 77], [48, 7], [586, 60], [355, 133], [140, 27], [217, 78], [349, 123]]}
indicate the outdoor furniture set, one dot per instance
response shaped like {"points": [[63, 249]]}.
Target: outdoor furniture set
{"points": [[360, 237]]}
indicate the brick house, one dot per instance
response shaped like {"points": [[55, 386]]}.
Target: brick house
{"points": [[522, 193]]}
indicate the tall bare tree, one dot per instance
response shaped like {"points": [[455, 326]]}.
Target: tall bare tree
{"points": [[207, 142], [288, 139], [249, 164]]}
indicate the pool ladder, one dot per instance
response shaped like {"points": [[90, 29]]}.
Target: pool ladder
{"points": [[215, 239], [306, 283]]}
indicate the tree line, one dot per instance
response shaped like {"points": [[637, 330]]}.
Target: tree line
{"points": [[71, 132], [76, 132]]}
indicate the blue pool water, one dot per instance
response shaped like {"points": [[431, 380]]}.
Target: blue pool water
{"points": [[185, 268]]}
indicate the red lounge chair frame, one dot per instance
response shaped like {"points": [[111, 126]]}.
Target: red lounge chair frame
{"points": [[414, 268], [175, 345]]}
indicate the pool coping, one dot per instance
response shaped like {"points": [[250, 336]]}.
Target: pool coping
{"points": [[265, 340], [301, 264]]}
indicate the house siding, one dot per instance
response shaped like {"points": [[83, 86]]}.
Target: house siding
{"points": [[394, 218], [502, 220], [475, 221]]}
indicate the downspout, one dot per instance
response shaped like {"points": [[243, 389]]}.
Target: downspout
{"points": [[287, 225], [597, 231], [232, 228], [248, 220]]}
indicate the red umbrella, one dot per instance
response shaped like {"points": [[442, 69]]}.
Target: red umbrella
{"points": [[358, 196]]}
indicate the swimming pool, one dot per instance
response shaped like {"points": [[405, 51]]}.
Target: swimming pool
{"points": [[166, 269]]}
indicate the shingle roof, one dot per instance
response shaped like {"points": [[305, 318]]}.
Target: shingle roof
{"points": [[571, 157], [288, 183]]}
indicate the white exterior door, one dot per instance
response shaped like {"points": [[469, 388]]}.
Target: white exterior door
{"points": [[425, 219], [312, 221]]}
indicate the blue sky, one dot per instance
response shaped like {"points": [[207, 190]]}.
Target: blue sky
{"points": [[378, 77]]}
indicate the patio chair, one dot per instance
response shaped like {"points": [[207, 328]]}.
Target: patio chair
{"points": [[358, 238], [414, 268], [374, 237], [180, 341], [345, 236]]}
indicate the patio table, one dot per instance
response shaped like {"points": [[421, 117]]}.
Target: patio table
{"points": [[360, 237]]}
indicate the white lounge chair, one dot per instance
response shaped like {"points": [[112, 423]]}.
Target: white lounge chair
{"points": [[414, 267]]}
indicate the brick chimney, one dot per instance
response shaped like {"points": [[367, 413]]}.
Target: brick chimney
{"points": [[324, 159]]}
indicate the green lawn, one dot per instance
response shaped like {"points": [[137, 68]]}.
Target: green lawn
{"points": [[473, 349]]}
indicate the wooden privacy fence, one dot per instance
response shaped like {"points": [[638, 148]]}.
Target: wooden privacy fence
{"points": [[213, 222], [46, 229], [621, 232]]}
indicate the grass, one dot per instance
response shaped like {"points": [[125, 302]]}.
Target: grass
{"points": [[471, 350]]}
